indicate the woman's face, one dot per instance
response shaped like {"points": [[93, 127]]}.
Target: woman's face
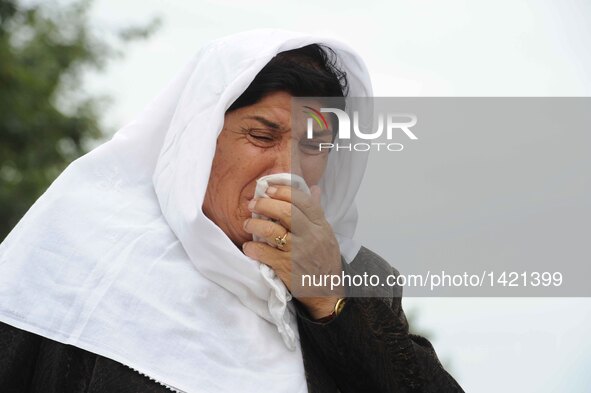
{"points": [[257, 140]]}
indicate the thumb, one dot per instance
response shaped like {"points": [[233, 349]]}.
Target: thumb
{"points": [[316, 194]]}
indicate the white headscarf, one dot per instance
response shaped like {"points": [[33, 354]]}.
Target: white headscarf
{"points": [[117, 257]]}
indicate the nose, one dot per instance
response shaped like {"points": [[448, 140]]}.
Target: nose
{"points": [[288, 159]]}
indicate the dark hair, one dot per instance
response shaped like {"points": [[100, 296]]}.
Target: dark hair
{"points": [[309, 71]]}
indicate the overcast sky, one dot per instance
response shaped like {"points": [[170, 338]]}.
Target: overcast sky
{"points": [[412, 48]]}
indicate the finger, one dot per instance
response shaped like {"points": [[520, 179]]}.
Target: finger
{"points": [[269, 231], [306, 203], [277, 260], [288, 215], [283, 193], [316, 194], [274, 209]]}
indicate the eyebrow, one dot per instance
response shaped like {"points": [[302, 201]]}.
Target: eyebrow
{"points": [[268, 123]]}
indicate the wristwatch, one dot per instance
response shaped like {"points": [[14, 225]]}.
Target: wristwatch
{"points": [[338, 307]]}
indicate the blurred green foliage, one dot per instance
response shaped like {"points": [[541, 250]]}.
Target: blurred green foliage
{"points": [[46, 119]]}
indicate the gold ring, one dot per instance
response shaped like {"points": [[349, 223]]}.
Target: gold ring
{"points": [[281, 241]]}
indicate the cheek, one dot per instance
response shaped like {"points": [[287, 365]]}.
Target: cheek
{"points": [[313, 168], [223, 177], [227, 162], [235, 171]]}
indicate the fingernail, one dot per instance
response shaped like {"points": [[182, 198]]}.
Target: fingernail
{"points": [[245, 223], [271, 190], [244, 246], [251, 204]]}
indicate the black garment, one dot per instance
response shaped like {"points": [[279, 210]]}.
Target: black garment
{"points": [[367, 348]]}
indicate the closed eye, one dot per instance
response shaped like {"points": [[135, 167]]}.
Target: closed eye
{"points": [[314, 146], [260, 137]]}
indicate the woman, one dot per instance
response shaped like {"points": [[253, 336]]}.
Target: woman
{"points": [[149, 265]]}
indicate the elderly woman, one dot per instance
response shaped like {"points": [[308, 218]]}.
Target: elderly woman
{"points": [[164, 259]]}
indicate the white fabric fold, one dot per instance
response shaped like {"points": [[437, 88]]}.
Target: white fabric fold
{"points": [[117, 257]]}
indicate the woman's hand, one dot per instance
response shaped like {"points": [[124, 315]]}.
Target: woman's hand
{"points": [[310, 244]]}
